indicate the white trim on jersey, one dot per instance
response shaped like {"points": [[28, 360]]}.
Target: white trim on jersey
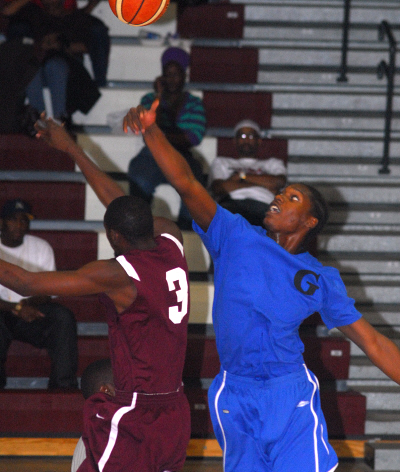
{"points": [[176, 241], [112, 439], [219, 418], [315, 386], [128, 268]]}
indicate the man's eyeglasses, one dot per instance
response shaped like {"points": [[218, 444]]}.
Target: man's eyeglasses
{"points": [[246, 136]]}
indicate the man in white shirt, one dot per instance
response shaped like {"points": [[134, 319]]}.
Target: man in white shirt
{"points": [[39, 321], [246, 183]]}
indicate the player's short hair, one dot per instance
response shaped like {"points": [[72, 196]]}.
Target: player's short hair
{"points": [[131, 217], [95, 375], [319, 209]]}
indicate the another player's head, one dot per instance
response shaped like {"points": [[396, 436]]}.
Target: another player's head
{"points": [[299, 210], [15, 219], [174, 62], [131, 217], [247, 138], [97, 377]]}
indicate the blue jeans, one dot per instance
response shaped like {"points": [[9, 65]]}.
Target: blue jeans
{"points": [[144, 176], [56, 332], [53, 74]]}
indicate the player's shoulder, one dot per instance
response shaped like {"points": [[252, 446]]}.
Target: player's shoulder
{"points": [[163, 226]]}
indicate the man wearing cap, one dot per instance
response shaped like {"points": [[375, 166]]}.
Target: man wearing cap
{"points": [[181, 116], [246, 183], [36, 320]]}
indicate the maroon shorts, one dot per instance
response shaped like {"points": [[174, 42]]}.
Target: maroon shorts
{"points": [[136, 432]]}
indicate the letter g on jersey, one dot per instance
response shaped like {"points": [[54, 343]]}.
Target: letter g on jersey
{"points": [[298, 279]]}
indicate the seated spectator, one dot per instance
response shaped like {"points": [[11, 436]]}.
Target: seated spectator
{"points": [[246, 183], [96, 378], [39, 321], [181, 116], [95, 38], [60, 38]]}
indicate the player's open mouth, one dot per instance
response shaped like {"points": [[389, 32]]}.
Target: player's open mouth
{"points": [[273, 208]]}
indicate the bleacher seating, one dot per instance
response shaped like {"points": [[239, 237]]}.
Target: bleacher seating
{"points": [[255, 106], [224, 65], [329, 135], [218, 20]]}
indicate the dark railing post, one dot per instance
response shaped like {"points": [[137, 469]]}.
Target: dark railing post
{"points": [[345, 42], [389, 70]]}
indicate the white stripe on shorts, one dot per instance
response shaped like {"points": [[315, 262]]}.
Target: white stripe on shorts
{"points": [[315, 419], [112, 439], [218, 417]]}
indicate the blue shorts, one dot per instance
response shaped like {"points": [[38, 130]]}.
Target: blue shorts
{"points": [[271, 425]]}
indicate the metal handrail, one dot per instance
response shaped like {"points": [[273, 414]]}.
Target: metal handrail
{"points": [[389, 70], [345, 42]]}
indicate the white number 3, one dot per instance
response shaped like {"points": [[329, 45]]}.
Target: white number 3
{"points": [[178, 275]]}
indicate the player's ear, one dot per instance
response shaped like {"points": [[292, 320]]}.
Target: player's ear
{"points": [[311, 222], [108, 389]]}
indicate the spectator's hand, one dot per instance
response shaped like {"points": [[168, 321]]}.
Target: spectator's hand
{"points": [[139, 119], [27, 313], [53, 133], [51, 42]]}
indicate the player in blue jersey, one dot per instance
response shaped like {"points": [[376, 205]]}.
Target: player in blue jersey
{"points": [[265, 404]]}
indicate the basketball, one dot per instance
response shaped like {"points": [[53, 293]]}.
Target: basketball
{"points": [[138, 12]]}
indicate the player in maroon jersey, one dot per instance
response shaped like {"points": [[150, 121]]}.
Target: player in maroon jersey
{"points": [[146, 426]]}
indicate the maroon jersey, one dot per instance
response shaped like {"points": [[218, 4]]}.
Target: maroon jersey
{"points": [[148, 339]]}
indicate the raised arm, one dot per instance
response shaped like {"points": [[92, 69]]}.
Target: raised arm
{"points": [[105, 188], [379, 349], [173, 165], [96, 277]]}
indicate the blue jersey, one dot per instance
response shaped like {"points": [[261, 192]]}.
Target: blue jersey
{"points": [[262, 295]]}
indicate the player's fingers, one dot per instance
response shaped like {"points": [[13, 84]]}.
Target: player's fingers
{"points": [[130, 121], [155, 104]]}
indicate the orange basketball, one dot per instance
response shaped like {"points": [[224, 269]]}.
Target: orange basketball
{"points": [[138, 12]]}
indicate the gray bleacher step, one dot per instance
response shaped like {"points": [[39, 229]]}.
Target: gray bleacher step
{"points": [[311, 121], [348, 264], [27, 383], [120, 95], [358, 242], [311, 30], [92, 329], [381, 315], [365, 191], [374, 288], [339, 135], [296, 77], [337, 101], [351, 215], [325, 11], [382, 423], [383, 457], [317, 3], [361, 368], [309, 168], [67, 225], [39, 176], [380, 398], [290, 44]]}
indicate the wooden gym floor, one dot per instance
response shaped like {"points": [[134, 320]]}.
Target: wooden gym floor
{"points": [[58, 464]]}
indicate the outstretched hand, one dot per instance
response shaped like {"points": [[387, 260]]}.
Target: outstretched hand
{"points": [[53, 133], [139, 119]]}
